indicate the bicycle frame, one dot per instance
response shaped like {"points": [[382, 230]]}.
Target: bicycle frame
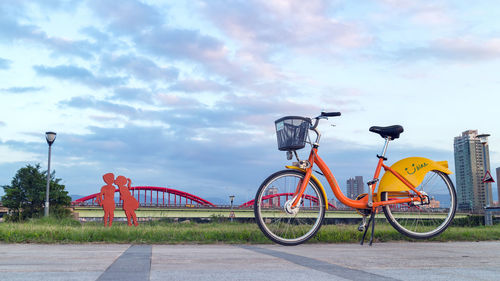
{"points": [[314, 158]]}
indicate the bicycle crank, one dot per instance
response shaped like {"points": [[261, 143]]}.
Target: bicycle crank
{"points": [[363, 212]]}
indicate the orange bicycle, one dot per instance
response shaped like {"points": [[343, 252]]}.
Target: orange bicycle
{"points": [[416, 194]]}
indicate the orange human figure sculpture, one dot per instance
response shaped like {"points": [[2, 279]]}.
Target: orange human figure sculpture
{"points": [[130, 204], [107, 199]]}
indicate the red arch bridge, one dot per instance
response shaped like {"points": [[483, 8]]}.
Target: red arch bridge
{"points": [[152, 196], [161, 202]]}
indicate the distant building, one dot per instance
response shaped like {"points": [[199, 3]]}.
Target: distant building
{"points": [[273, 201], [471, 163], [433, 204], [355, 187]]}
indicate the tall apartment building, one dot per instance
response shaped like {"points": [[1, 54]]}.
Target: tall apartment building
{"points": [[472, 160], [355, 187]]}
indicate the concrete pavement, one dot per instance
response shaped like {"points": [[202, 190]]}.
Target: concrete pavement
{"points": [[382, 261]]}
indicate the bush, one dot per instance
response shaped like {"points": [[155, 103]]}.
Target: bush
{"points": [[25, 196], [469, 221], [218, 218]]}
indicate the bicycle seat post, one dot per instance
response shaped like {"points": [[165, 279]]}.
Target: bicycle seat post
{"points": [[387, 139], [375, 180]]}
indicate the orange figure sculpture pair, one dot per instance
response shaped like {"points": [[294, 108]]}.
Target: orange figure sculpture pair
{"points": [[107, 199]]}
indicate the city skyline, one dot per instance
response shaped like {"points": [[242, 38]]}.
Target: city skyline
{"points": [[184, 94]]}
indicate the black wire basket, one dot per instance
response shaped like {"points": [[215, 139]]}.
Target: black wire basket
{"points": [[291, 132]]}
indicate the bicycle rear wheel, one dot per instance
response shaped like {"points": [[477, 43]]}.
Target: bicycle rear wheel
{"points": [[427, 220], [283, 225]]}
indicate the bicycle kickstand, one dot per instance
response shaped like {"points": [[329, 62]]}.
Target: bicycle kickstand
{"points": [[372, 221], [373, 227]]}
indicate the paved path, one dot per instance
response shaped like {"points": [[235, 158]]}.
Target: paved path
{"points": [[382, 261]]}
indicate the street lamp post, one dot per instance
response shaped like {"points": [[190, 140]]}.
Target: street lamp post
{"points": [[231, 197], [50, 137]]}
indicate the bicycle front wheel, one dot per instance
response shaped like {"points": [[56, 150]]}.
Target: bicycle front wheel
{"points": [[277, 220], [427, 220]]}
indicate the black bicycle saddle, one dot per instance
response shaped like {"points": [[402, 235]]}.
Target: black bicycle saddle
{"points": [[392, 132]]}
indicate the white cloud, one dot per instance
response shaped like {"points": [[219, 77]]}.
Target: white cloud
{"points": [[10, 154]]}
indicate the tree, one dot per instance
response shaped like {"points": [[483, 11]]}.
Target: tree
{"points": [[25, 197]]}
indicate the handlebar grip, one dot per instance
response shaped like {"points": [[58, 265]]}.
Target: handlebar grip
{"points": [[330, 114]]}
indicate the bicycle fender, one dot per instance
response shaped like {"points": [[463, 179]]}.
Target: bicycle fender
{"points": [[413, 169], [316, 181]]}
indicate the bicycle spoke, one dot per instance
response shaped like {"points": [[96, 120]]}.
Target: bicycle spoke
{"points": [[426, 181]]}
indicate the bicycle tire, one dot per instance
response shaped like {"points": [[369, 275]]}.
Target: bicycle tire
{"points": [[278, 225], [425, 221]]}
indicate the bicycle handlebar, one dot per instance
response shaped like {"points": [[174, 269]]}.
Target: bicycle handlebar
{"points": [[323, 115], [330, 114]]}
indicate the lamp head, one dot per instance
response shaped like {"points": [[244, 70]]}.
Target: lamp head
{"points": [[231, 197], [50, 137], [483, 138]]}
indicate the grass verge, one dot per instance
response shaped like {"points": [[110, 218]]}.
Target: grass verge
{"points": [[70, 231]]}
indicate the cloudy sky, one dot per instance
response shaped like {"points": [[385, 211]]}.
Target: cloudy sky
{"points": [[184, 94]]}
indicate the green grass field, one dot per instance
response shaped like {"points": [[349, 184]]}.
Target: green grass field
{"points": [[71, 231]]}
